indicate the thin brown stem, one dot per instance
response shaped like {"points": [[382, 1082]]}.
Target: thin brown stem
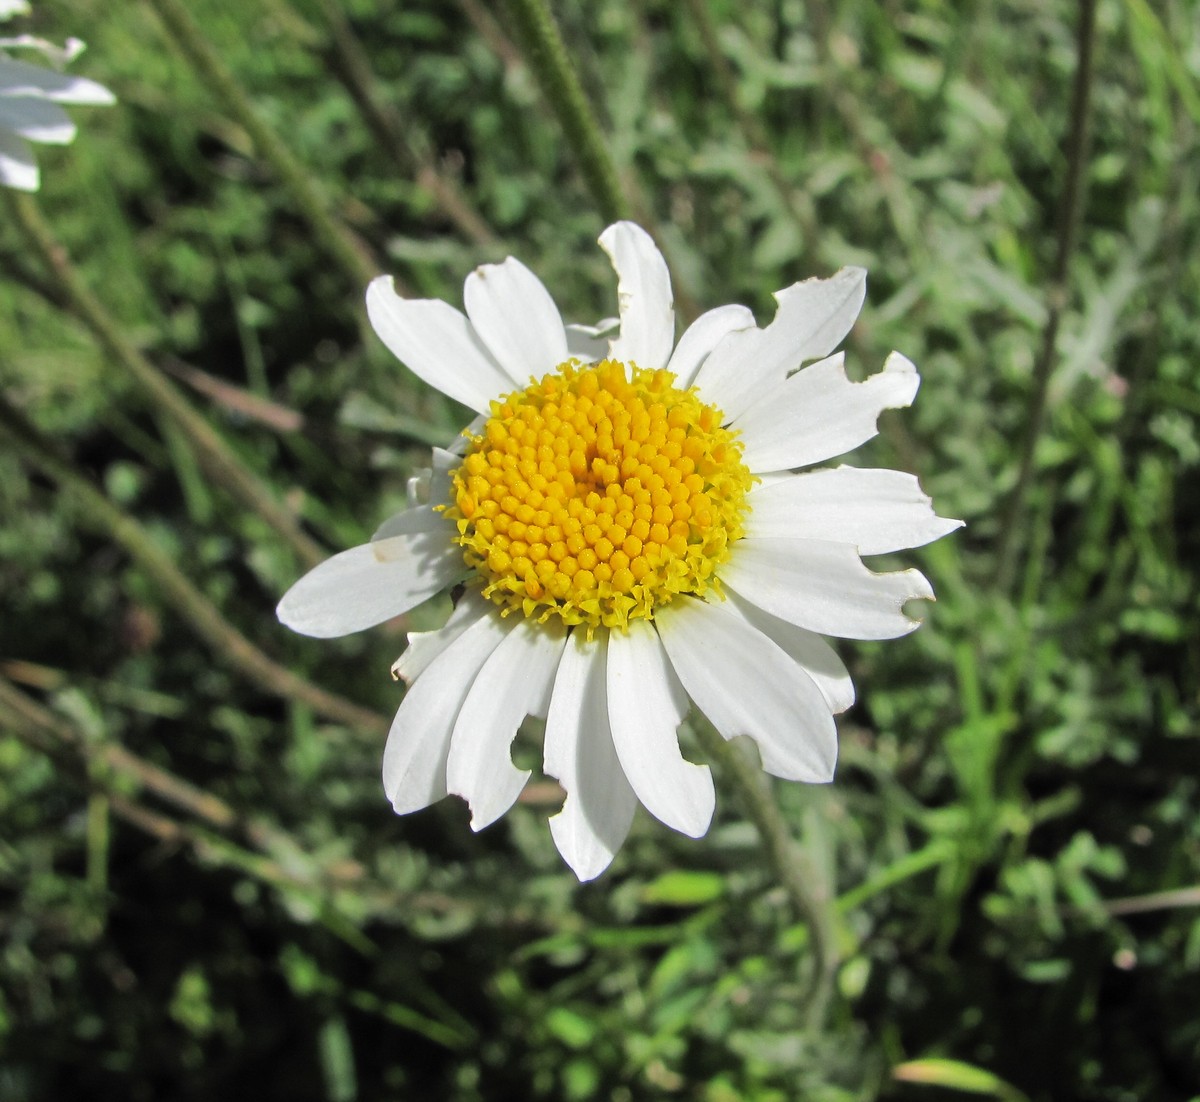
{"points": [[406, 146], [345, 247], [115, 778], [1155, 901], [110, 759], [490, 30], [229, 644], [212, 451]]}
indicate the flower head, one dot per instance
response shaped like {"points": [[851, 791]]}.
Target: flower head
{"points": [[634, 539], [29, 99]]}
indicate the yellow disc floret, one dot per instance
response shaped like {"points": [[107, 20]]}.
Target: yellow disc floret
{"points": [[599, 494]]}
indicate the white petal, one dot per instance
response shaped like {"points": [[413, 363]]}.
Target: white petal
{"points": [[38, 120], [644, 296], [424, 646], [824, 587], [876, 510], [437, 344], [514, 315], [395, 525], [414, 761], [597, 813], [18, 78], [646, 704], [437, 492], [18, 169], [444, 462], [416, 490], [746, 685], [819, 413], [807, 649], [811, 320], [374, 581], [586, 343], [513, 683], [702, 336]]}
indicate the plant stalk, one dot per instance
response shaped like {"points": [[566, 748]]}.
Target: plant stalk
{"points": [[230, 645], [214, 454], [346, 248], [547, 56], [405, 145], [1058, 294], [796, 872]]}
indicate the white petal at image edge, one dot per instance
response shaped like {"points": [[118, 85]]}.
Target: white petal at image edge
{"points": [[19, 78], [18, 169], [600, 804], [38, 120], [746, 685], [646, 705], [373, 582]]}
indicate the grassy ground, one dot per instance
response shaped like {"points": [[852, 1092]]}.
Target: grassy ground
{"points": [[203, 889]]}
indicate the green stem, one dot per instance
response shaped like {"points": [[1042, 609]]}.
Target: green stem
{"points": [[547, 57], [343, 246], [214, 454], [205, 618], [1057, 295], [797, 873]]}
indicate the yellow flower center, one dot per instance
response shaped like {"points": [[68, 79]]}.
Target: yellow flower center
{"points": [[598, 494]]}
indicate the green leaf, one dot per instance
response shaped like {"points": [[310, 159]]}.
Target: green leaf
{"points": [[956, 1075]]}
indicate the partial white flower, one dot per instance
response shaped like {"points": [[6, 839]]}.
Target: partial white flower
{"points": [[634, 541], [10, 8], [29, 111]]}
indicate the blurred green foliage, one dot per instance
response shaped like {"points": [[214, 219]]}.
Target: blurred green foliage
{"points": [[1024, 760]]}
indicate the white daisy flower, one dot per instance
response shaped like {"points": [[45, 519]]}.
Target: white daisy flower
{"points": [[633, 539], [29, 111]]}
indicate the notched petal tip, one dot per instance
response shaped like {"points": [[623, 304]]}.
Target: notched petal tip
{"points": [[922, 590], [379, 286], [899, 364], [819, 412], [848, 284]]}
